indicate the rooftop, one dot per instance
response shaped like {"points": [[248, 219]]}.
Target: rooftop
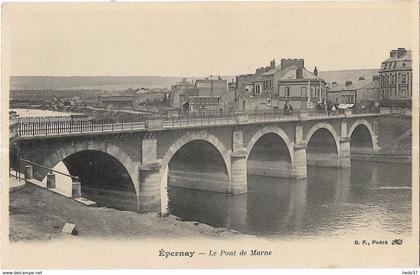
{"points": [[399, 59], [349, 85], [291, 72]]}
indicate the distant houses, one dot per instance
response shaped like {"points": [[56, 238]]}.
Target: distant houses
{"points": [[396, 78], [392, 86], [205, 95], [272, 86], [352, 92], [134, 99]]}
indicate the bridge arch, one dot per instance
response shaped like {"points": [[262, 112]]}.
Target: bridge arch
{"points": [[105, 171], [271, 130], [363, 134], [327, 128], [189, 137], [198, 139], [269, 153]]}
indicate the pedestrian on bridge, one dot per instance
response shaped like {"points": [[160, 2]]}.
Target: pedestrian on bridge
{"points": [[286, 108], [333, 110]]}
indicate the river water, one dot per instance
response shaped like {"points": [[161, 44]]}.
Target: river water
{"points": [[40, 113], [368, 198]]}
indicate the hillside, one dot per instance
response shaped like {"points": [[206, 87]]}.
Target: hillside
{"points": [[342, 76], [108, 83], [89, 82]]}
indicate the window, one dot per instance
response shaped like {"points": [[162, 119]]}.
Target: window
{"points": [[403, 79], [395, 64], [303, 91], [287, 91]]}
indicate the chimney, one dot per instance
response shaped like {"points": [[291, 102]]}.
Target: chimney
{"points": [[299, 73], [348, 83], [400, 52], [273, 63], [316, 71], [393, 53], [284, 63]]}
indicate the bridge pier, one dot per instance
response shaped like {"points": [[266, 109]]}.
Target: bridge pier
{"points": [[149, 176], [149, 194], [345, 160], [299, 166], [299, 150], [238, 175]]}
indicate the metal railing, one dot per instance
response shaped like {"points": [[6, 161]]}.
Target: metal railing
{"points": [[49, 169], [227, 118], [57, 128]]}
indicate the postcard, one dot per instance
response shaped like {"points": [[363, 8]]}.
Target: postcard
{"points": [[210, 135]]}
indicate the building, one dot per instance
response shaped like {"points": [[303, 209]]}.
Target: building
{"points": [[153, 97], [210, 86], [203, 104], [369, 93], [180, 93], [245, 83], [352, 92], [395, 78], [272, 86], [126, 102], [206, 96]]}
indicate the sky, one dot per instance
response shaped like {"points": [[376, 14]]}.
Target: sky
{"points": [[196, 39]]}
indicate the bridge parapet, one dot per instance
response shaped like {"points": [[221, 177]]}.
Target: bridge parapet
{"points": [[153, 124], [60, 128]]}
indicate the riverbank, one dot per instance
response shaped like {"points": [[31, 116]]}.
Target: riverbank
{"points": [[394, 140], [394, 136], [38, 214]]}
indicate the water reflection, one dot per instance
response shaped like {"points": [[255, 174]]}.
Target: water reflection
{"points": [[369, 197]]}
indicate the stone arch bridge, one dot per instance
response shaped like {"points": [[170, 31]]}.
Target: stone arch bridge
{"points": [[144, 160]]}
